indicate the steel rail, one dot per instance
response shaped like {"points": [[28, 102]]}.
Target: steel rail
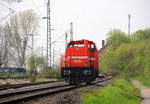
{"points": [[8, 86], [39, 91]]}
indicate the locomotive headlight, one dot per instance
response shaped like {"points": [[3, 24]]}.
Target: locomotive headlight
{"points": [[87, 72], [87, 63]]}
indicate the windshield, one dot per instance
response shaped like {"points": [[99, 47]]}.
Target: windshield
{"points": [[75, 45]]}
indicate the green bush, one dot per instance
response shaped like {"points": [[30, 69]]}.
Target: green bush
{"points": [[53, 73], [128, 56], [116, 37], [5, 75]]}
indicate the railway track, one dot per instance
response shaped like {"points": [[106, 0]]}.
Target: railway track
{"points": [[8, 86], [30, 92]]}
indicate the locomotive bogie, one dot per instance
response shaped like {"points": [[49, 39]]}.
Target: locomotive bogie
{"points": [[79, 75]]}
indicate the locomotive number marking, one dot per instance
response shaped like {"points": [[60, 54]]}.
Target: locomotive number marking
{"points": [[77, 61]]}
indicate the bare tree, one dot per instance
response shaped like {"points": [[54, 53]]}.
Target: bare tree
{"points": [[22, 25], [1, 45], [4, 45]]}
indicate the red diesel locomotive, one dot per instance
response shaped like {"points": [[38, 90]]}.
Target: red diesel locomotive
{"points": [[80, 62]]}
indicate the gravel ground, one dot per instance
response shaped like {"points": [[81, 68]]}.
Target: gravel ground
{"points": [[13, 81], [145, 92], [68, 97]]}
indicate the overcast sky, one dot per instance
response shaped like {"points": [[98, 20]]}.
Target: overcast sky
{"points": [[92, 19]]}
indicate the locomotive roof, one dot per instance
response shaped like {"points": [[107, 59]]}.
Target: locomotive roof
{"points": [[80, 42]]}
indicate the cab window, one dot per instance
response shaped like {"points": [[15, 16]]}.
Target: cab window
{"points": [[91, 47]]}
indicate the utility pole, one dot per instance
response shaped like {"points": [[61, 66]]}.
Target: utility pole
{"points": [[42, 52], [129, 16], [66, 35], [48, 35], [71, 31]]}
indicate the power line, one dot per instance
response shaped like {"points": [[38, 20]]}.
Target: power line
{"points": [[6, 16], [11, 11], [13, 0], [57, 39]]}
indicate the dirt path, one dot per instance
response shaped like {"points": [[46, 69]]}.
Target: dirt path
{"points": [[145, 92]]}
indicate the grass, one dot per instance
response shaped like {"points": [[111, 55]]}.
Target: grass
{"points": [[119, 92], [40, 79], [12, 75]]}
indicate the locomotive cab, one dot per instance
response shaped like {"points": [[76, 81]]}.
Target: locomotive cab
{"points": [[81, 62]]}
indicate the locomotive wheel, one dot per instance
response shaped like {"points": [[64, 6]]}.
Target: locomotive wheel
{"points": [[74, 83], [71, 83], [88, 83]]}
